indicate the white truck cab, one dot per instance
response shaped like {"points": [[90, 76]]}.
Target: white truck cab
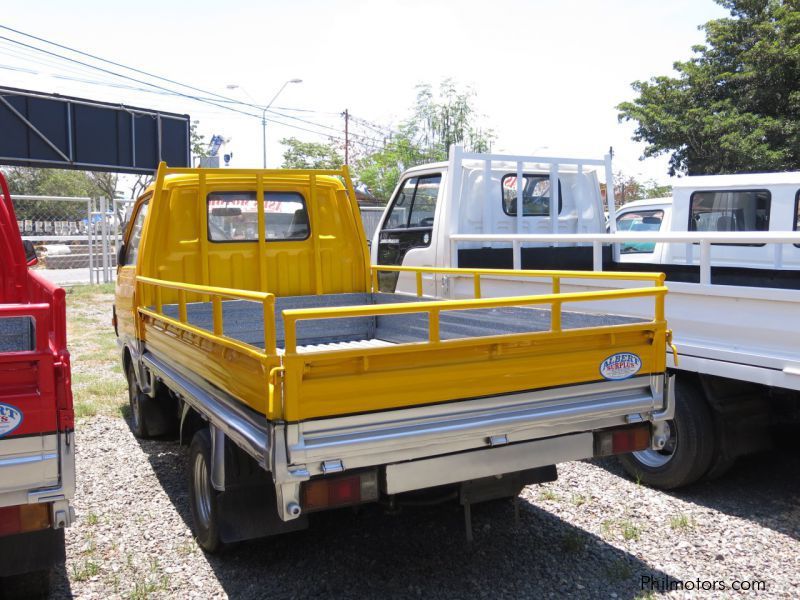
{"points": [[652, 215], [429, 204], [729, 246]]}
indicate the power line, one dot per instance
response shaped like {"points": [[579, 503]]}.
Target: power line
{"points": [[175, 92], [363, 137], [73, 60], [116, 64], [218, 97], [218, 100]]}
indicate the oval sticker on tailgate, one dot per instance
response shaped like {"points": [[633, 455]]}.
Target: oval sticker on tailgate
{"points": [[620, 365], [10, 418]]}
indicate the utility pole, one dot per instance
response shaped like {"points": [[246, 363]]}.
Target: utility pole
{"points": [[346, 115]]}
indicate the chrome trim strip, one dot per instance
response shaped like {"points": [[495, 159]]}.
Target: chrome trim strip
{"points": [[24, 460], [250, 431]]}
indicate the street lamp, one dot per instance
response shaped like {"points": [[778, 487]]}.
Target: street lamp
{"points": [[264, 117], [264, 113]]}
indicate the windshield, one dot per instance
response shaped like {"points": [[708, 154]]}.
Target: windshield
{"points": [[642, 220]]}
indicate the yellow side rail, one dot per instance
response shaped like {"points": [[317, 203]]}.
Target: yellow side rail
{"points": [[216, 294], [434, 308], [556, 276]]}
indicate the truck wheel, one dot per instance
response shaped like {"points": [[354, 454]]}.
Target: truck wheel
{"points": [[202, 495], [150, 417], [689, 450]]}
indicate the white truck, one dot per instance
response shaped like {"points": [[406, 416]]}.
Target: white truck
{"points": [[729, 246]]}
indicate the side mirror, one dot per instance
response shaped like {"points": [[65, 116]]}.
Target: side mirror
{"points": [[30, 253], [121, 255]]}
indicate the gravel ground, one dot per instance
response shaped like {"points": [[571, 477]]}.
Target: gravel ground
{"points": [[593, 533]]}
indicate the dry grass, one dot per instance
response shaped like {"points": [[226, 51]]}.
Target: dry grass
{"points": [[98, 385]]}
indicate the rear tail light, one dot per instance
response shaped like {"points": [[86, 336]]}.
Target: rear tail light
{"points": [[631, 438], [24, 518], [333, 492]]}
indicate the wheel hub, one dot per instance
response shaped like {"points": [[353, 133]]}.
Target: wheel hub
{"points": [[202, 491]]}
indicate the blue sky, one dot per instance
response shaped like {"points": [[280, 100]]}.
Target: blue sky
{"points": [[547, 74]]}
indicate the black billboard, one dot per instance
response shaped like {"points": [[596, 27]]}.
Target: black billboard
{"points": [[50, 130]]}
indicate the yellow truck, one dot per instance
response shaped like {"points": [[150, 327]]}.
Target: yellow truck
{"points": [[251, 323]]}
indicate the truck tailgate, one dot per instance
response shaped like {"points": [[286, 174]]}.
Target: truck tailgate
{"points": [[443, 368], [411, 433]]}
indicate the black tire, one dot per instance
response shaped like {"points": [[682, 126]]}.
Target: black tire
{"points": [[35, 584], [150, 417], [202, 495], [691, 447]]}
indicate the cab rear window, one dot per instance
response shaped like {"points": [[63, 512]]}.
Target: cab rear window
{"points": [[233, 217], [535, 195]]}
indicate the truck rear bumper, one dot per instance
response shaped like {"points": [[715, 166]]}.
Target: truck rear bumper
{"points": [[465, 466], [39, 469], [28, 462], [357, 441]]}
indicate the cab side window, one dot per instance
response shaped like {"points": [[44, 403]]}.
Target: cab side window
{"points": [[415, 204], [797, 213], [132, 247]]}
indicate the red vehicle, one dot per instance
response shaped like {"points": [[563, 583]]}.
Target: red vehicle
{"points": [[37, 452]]}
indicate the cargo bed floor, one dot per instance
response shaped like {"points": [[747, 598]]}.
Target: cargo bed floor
{"points": [[242, 321]]}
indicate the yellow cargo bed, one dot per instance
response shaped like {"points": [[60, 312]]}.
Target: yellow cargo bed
{"points": [[305, 357]]}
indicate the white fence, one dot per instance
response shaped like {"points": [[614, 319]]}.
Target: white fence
{"points": [[75, 237]]}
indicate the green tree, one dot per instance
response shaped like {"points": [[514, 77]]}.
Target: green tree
{"points": [[197, 142], [627, 189], [652, 189], [310, 155], [436, 122], [31, 181], [735, 106]]}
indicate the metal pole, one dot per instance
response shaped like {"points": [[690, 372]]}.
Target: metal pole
{"points": [[104, 234], [89, 239], [264, 134], [115, 208], [264, 118], [346, 137], [611, 201]]}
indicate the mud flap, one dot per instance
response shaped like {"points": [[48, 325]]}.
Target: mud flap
{"points": [[32, 551], [250, 512]]}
